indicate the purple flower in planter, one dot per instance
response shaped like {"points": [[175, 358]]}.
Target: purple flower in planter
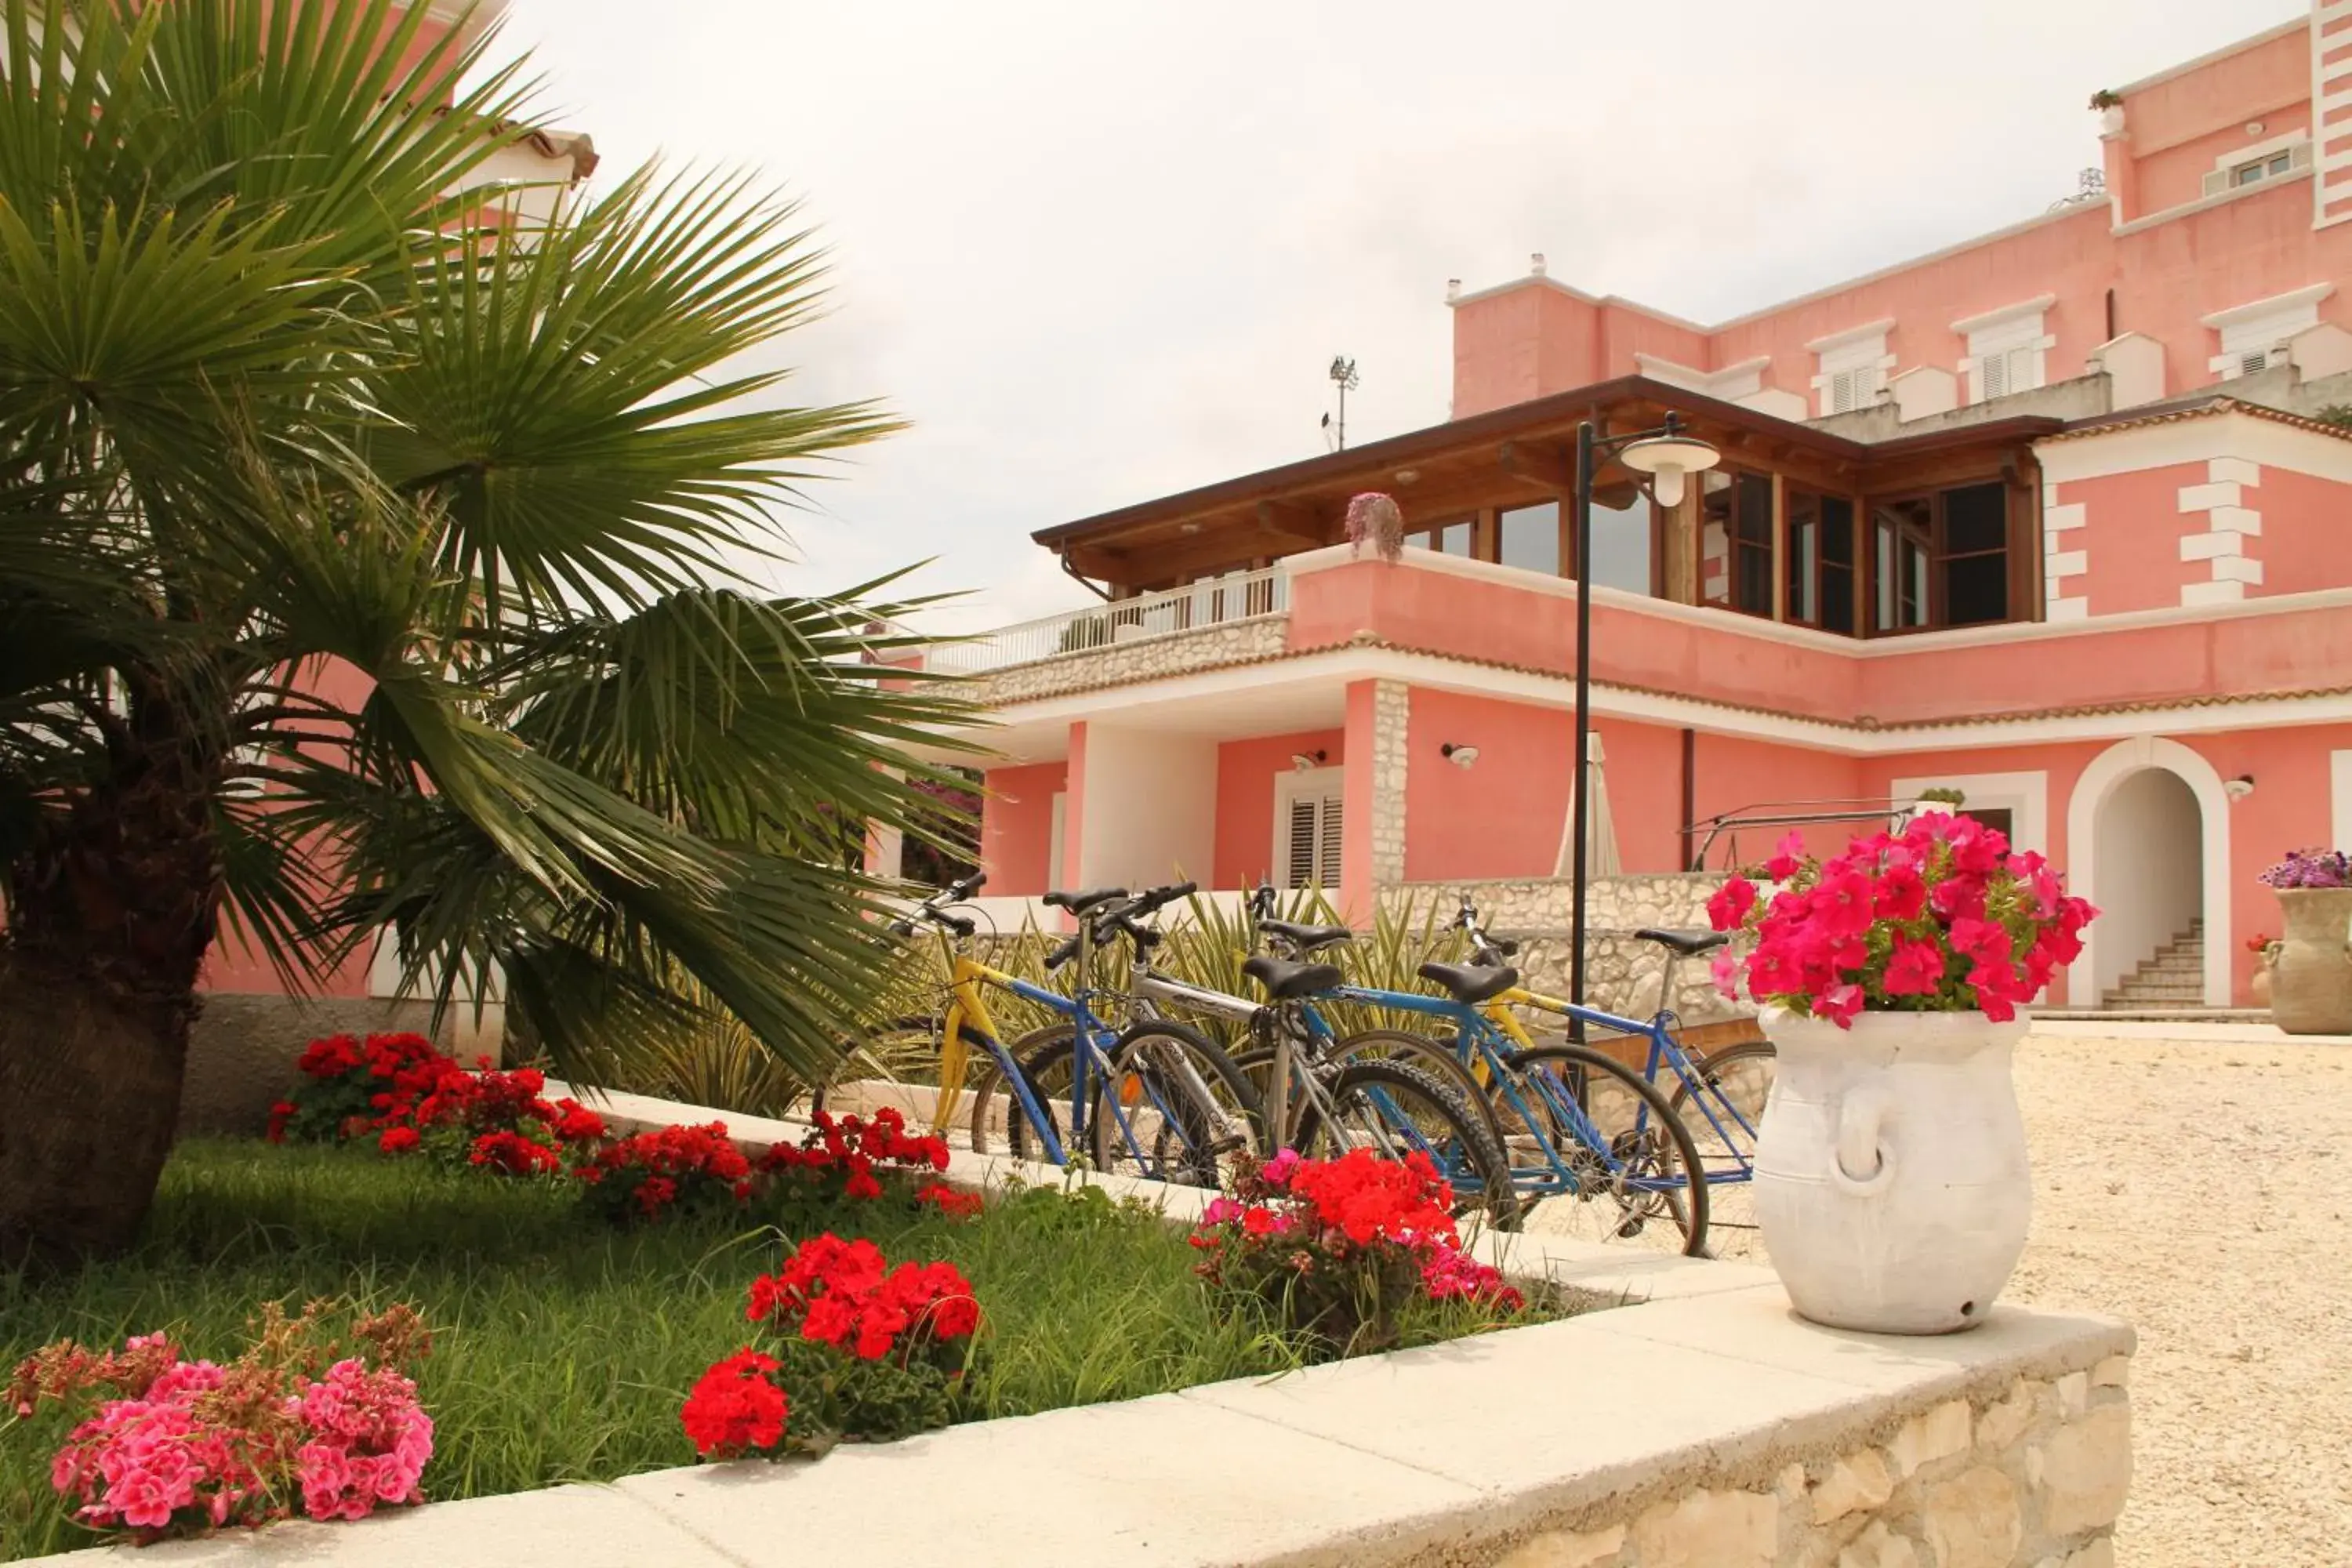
{"points": [[2311, 868]]}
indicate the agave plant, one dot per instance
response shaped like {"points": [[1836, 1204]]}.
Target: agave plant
{"points": [[368, 561]]}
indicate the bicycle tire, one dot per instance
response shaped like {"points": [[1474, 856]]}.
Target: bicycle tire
{"points": [[1440, 1060], [1663, 1141], [1465, 1149], [1724, 1144], [1206, 1152], [1043, 1057]]}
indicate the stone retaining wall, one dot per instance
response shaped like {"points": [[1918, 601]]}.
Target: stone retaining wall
{"points": [[1117, 663], [2032, 1475], [1620, 970]]}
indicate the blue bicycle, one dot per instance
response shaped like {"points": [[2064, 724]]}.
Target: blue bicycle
{"points": [[1576, 1124], [1174, 1109]]}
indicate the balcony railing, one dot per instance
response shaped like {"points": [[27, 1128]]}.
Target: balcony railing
{"points": [[1241, 596]]}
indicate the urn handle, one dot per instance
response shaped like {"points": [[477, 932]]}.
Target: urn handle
{"points": [[1862, 1164]]}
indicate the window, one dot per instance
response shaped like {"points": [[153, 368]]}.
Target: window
{"points": [[1820, 560], [1306, 827], [1941, 560], [2001, 820], [1854, 365], [2252, 333], [1621, 540], [1736, 541], [1446, 539], [1529, 538], [2252, 166], [2006, 348]]}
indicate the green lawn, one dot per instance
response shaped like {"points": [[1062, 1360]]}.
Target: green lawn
{"points": [[562, 1349]]}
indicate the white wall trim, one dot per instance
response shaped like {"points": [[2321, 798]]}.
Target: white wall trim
{"points": [[2026, 796], [1829, 642], [2277, 304], [2098, 782], [2339, 795], [1847, 337], [1344, 665], [2227, 433], [1984, 320]]}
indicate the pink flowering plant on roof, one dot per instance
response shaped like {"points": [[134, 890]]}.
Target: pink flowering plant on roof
{"points": [[1944, 918]]}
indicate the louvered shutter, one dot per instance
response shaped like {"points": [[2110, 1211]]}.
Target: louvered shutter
{"points": [[1327, 842], [1299, 869], [1993, 371]]}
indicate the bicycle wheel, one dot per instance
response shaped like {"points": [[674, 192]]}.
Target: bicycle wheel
{"points": [[1632, 1173], [998, 1123], [1440, 1060], [1723, 1118], [1385, 1105], [1173, 1108]]}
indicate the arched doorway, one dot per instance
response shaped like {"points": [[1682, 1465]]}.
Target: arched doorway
{"points": [[2147, 840]]}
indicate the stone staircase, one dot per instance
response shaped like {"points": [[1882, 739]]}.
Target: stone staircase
{"points": [[2173, 979]]}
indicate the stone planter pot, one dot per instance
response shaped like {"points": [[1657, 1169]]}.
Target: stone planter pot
{"points": [[1891, 1180], [2311, 984], [2259, 987]]}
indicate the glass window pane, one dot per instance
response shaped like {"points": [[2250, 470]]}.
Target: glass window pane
{"points": [[1837, 599], [1621, 546], [1531, 538], [1803, 544], [1975, 519], [2279, 165], [1755, 581], [1756, 510], [1454, 540], [1837, 531], [1975, 590]]}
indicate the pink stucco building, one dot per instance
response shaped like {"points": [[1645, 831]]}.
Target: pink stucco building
{"points": [[2054, 517]]}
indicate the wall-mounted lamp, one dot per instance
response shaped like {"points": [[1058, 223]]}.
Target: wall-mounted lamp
{"points": [[1307, 761], [1460, 756], [2239, 788]]}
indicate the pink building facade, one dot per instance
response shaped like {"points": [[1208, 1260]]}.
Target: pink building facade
{"points": [[2052, 517]]}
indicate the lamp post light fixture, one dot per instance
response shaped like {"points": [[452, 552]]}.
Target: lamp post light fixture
{"points": [[1667, 455]]}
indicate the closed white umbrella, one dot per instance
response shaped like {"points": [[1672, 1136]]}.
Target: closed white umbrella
{"points": [[1600, 828]]}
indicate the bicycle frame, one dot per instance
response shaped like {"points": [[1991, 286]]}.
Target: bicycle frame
{"points": [[1663, 1049], [967, 1021], [1477, 1032]]}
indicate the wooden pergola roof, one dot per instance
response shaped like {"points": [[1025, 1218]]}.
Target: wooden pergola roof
{"points": [[1519, 456]]}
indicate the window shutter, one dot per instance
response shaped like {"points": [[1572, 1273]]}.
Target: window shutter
{"points": [[2217, 182], [2299, 155], [1842, 390], [2254, 364], [1299, 852], [1992, 371], [1328, 844]]}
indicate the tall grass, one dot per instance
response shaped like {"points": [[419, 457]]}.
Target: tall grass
{"points": [[562, 1349]]}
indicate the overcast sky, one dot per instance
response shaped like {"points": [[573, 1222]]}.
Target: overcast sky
{"points": [[1098, 251]]}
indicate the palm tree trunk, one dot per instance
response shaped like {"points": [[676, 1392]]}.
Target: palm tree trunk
{"points": [[89, 1090], [111, 912]]}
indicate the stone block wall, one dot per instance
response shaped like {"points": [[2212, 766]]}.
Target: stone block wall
{"points": [[1116, 664], [2031, 1475], [1621, 971], [241, 1052]]}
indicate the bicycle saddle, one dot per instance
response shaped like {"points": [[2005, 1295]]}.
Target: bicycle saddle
{"points": [[1306, 938], [1079, 903], [1689, 944], [1471, 983], [1284, 981]]}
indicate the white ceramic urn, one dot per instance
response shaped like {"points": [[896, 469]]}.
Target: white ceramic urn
{"points": [[1891, 1180]]}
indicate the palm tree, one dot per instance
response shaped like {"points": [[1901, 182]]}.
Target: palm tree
{"points": [[364, 563]]}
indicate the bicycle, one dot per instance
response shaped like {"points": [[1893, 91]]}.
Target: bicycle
{"points": [[1719, 1095], [1623, 1156], [1311, 1103], [1191, 1131]]}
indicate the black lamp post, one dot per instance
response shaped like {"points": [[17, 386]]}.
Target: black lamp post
{"points": [[1666, 454]]}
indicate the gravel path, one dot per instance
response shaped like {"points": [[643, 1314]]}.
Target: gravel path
{"points": [[2191, 1188]]}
